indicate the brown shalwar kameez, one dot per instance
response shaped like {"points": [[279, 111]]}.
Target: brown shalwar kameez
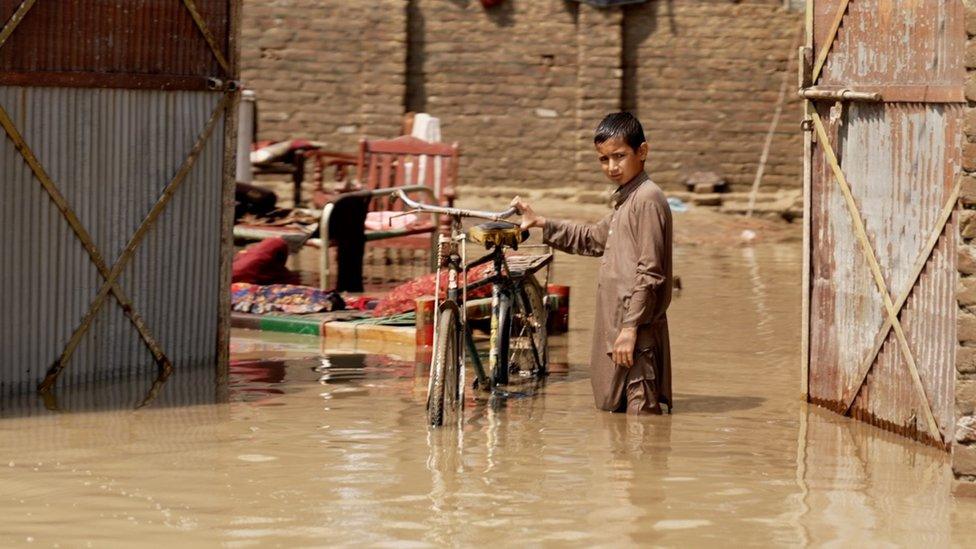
{"points": [[633, 289]]}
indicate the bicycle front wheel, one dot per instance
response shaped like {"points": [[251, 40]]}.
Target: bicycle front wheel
{"points": [[444, 397]]}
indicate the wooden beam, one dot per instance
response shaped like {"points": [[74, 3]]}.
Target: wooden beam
{"points": [[807, 253], [208, 36], [831, 35], [227, 204], [11, 25], [70, 79]]}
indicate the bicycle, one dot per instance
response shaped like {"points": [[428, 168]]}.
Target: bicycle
{"points": [[518, 342]]}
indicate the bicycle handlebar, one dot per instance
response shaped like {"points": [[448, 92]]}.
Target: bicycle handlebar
{"points": [[459, 212]]}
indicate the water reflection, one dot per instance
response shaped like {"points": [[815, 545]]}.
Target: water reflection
{"points": [[314, 447], [188, 386]]}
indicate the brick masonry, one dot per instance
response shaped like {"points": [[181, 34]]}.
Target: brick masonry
{"points": [[329, 70], [964, 445], [522, 85]]}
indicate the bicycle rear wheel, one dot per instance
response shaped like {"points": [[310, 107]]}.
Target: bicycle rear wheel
{"points": [[443, 397], [524, 340], [529, 348]]}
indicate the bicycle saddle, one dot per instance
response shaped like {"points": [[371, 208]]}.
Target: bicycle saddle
{"points": [[498, 233]]}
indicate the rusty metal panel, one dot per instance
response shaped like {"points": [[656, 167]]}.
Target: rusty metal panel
{"points": [[110, 152], [893, 42], [107, 43], [845, 307], [900, 158]]}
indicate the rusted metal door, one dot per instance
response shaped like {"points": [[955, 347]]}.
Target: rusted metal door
{"points": [[884, 84], [115, 171]]}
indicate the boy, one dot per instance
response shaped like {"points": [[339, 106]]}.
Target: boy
{"points": [[630, 360]]}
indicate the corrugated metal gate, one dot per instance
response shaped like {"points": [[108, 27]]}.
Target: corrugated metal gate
{"points": [[116, 179], [884, 126]]}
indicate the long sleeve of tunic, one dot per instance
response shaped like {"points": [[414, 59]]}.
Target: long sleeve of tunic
{"points": [[577, 238]]}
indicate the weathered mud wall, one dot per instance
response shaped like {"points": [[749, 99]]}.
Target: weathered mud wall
{"points": [[522, 85], [964, 446]]}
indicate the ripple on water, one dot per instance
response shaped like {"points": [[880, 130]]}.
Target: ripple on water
{"points": [[681, 524], [350, 462]]}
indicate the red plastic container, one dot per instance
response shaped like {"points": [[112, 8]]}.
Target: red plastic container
{"points": [[558, 309], [425, 321]]}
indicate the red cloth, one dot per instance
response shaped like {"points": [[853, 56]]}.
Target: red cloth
{"points": [[361, 303], [402, 298], [264, 263]]}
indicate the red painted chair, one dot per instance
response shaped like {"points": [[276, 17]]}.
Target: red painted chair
{"points": [[323, 161], [409, 163]]}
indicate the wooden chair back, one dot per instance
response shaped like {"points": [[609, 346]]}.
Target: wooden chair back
{"points": [[385, 163]]}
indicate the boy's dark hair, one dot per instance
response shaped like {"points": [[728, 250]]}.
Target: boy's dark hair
{"points": [[623, 125]]}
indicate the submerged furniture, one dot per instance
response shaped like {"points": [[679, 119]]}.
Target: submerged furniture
{"points": [[289, 157], [291, 162], [386, 165]]}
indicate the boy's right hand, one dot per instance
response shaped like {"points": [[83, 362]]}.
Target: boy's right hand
{"points": [[529, 217]]}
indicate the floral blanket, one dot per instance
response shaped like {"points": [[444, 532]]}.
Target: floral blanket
{"points": [[402, 298], [285, 298]]}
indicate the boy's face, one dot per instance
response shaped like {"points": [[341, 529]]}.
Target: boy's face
{"points": [[621, 163]]}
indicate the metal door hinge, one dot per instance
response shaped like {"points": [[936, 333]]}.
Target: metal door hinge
{"points": [[222, 85]]}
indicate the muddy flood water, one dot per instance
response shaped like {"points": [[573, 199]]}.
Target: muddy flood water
{"points": [[327, 446]]}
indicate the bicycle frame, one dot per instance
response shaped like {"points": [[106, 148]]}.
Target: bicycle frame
{"points": [[504, 284], [452, 256]]}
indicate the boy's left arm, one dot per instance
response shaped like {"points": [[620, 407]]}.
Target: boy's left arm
{"points": [[652, 248]]}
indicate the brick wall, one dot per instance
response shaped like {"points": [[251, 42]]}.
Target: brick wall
{"points": [[964, 445], [504, 83], [705, 78], [328, 70], [522, 85]]}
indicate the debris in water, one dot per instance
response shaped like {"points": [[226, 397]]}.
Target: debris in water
{"points": [[256, 458], [677, 205], [680, 524]]}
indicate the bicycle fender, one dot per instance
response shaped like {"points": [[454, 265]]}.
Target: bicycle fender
{"points": [[450, 305]]}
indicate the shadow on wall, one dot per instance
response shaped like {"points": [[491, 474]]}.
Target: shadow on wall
{"points": [[503, 14], [639, 23], [415, 92]]}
